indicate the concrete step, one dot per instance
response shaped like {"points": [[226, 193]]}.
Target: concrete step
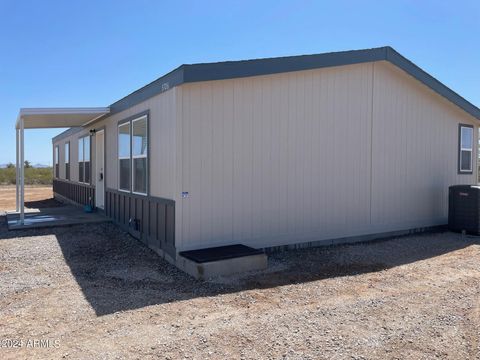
{"points": [[220, 261]]}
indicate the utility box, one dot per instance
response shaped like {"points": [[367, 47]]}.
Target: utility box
{"points": [[464, 209]]}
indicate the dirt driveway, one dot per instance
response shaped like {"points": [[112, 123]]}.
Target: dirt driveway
{"points": [[35, 196], [89, 292]]}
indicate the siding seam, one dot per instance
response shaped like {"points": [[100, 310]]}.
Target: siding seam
{"points": [[371, 139]]}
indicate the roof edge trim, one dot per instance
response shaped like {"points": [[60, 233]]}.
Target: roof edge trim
{"points": [[190, 73], [421, 75]]}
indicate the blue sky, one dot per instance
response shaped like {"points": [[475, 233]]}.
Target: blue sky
{"points": [[91, 53]]}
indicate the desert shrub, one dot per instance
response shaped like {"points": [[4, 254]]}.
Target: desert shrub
{"points": [[33, 176]]}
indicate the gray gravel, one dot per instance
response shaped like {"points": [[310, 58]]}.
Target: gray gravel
{"points": [[101, 294]]}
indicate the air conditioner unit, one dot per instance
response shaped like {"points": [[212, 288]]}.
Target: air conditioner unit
{"points": [[464, 209]]}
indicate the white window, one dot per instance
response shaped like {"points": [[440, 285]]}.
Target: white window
{"points": [[124, 156], [57, 166], [139, 155], [67, 160], [84, 159], [465, 159], [133, 156]]}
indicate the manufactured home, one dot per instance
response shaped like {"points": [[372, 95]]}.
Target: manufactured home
{"points": [[288, 151]]}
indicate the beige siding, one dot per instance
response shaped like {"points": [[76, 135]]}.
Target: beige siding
{"points": [[415, 151], [162, 144], [297, 157], [289, 158]]}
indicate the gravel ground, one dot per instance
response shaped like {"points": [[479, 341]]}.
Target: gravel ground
{"points": [[93, 292]]}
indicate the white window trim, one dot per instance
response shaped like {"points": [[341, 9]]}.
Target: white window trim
{"points": [[123, 157], [83, 159], [131, 156], [57, 154], [67, 144], [462, 149], [142, 156], [471, 161], [135, 192], [65, 156], [132, 184], [57, 162], [80, 140]]}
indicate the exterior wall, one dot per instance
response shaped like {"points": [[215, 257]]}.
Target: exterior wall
{"points": [[73, 155], [313, 155], [154, 222], [415, 151], [161, 148], [151, 218], [294, 157]]}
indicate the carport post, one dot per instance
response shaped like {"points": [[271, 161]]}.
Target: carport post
{"points": [[22, 173], [17, 177]]}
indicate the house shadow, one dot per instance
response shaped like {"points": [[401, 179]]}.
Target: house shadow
{"points": [[117, 273], [44, 203]]}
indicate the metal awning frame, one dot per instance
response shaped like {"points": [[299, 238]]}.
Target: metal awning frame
{"points": [[87, 115]]}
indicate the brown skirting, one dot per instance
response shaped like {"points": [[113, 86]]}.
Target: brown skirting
{"points": [[147, 218], [83, 194]]}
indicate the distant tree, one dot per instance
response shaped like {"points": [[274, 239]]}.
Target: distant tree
{"points": [[27, 164], [10, 166]]}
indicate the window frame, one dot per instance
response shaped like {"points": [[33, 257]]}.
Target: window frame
{"points": [[82, 139], [462, 149], [67, 173], [56, 155], [129, 157], [130, 120], [142, 156]]}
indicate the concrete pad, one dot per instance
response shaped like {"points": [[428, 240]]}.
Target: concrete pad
{"points": [[53, 217], [203, 271]]}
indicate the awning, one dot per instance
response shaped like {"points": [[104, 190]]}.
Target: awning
{"points": [[38, 118]]}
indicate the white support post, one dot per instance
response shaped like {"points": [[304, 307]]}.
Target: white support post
{"points": [[22, 172], [17, 175]]}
